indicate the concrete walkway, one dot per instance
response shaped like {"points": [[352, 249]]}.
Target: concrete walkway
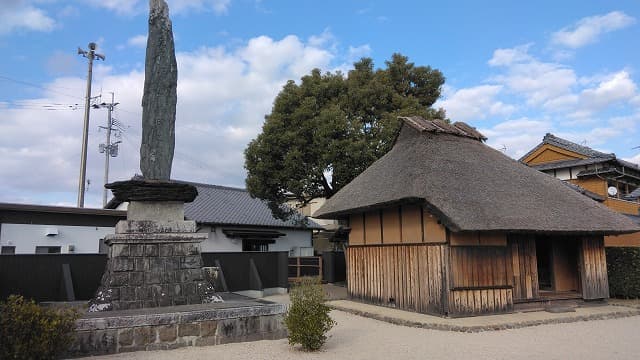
{"points": [[488, 322]]}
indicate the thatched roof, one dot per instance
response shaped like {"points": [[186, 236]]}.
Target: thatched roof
{"points": [[470, 187]]}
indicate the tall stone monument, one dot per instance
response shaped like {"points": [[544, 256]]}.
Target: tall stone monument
{"points": [[154, 256]]}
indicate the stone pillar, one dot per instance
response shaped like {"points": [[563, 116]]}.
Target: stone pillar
{"points": [[154, 256]]}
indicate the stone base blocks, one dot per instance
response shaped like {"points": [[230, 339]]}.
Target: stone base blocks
{"points": [[153, 263], [162, 331]]}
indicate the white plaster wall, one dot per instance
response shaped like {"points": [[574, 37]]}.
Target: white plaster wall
{"points": [[219, 242], [25, 237], [563, 174]]}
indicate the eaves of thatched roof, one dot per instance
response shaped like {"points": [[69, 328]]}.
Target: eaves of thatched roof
{"points": [[471, 187]]}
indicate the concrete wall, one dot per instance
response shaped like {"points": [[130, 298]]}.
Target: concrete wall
{"points": [[296, 242], [25, 237]]}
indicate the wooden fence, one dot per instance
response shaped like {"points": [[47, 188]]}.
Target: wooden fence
{"points": [[304, 266]]}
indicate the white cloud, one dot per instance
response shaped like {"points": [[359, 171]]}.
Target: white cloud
{"points": [[132, 7], [510, 56], [474, 103], [616, 88], [137, 41], [223, 95], [516, 137], [587, 30], [20, 15], [355, 53]]}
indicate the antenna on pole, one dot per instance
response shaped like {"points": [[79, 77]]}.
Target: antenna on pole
{"points": [[90, 55], [108, 148]]}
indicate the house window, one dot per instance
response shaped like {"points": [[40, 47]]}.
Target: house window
{"points": [[47, 249], [8, 250], [255, 245]]}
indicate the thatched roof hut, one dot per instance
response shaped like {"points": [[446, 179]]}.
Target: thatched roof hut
{"points": [[470, 187], [444, 224]]}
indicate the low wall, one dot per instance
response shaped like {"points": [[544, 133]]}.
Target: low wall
{"points": [[623, 267], [333, 266], [116, 332]]}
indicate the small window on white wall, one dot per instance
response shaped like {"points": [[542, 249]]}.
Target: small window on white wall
{"points": [[47, 249], [8, 250]]}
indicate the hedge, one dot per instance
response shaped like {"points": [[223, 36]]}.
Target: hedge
{"points": [[623, 266]]}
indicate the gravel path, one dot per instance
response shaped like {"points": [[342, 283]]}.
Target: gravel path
{"points": [[357, 337]]}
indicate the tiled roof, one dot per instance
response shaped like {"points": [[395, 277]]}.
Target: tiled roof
{"points": [[568, 163], [233, 206]]}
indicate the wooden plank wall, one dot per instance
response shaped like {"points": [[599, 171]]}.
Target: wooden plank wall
{"points": [[524, 266], [408, 276], [593, 263], [480, 280]]}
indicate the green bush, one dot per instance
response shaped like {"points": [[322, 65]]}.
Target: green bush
{"points": [[623, 267], [308, 317], [28, 331]]}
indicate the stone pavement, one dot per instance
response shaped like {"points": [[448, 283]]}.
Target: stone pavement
{"points": [[488, 322]]}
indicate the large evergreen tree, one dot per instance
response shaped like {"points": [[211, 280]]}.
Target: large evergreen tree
{"points": [[326, 130]]}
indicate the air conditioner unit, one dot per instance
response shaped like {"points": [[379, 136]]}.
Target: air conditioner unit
{"points": [[51, 231]]}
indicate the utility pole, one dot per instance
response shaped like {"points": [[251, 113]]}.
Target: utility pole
{"points": [[90, 55], [109, 149]]}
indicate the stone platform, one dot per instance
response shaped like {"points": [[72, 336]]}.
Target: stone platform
{"points": [[237, 319]]}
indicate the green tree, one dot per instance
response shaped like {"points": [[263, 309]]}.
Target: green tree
{"points": [[326, 130]]}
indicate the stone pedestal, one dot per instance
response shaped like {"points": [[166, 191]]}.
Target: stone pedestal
{"points": [[154, 257]]}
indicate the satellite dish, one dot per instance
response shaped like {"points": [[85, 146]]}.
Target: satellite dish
{"points": [[612, 191]]}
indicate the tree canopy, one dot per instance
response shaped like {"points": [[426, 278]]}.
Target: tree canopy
{"points": [[326, 130]]}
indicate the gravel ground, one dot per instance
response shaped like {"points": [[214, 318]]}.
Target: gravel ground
{"points": [[357, 337]]}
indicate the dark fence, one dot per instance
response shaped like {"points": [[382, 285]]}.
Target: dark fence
{"points": [[40, 277], [334, 266], [237, 269]]}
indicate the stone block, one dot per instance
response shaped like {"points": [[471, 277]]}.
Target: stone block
{"points": [[144, 335], [136, 278], [190, 329], [151, 250], [95, 342], [150, 303], [118, 250], [175, 289], [136, 250], [172, 263], [169, 277], [194, 299], [191, 262], [191, 249], [118, 279], [206, 341], [165, 250], [139, 263], [182, 276], [189, 289], [119, 264], [208, 328], [179, 250], [128, 293], [152, 277], [155, 264], [156, 210], [125, 337], [195, 275], [167, 333], [271, 323], [143, 293], [179, 300]]}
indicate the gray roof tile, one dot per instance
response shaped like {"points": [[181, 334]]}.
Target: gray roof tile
{"points": [[233, 206]]}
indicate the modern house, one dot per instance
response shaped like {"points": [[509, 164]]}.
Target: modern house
{"points": [[601, 176], [444, 224], [235, 222], [35, 229]]}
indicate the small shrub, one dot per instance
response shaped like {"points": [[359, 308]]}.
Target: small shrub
{"points": [[308, 317], [28, 331]]}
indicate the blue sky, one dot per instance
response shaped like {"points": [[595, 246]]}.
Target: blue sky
{"points": [[515, 70]]}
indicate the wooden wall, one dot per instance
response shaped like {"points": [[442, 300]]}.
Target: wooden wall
{"points": [[479, 281], [406, 224], [548, 153], [407, 276], [524, 265], [593, 263]]}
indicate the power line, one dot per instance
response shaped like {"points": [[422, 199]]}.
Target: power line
{"points": [[40, 87]]}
